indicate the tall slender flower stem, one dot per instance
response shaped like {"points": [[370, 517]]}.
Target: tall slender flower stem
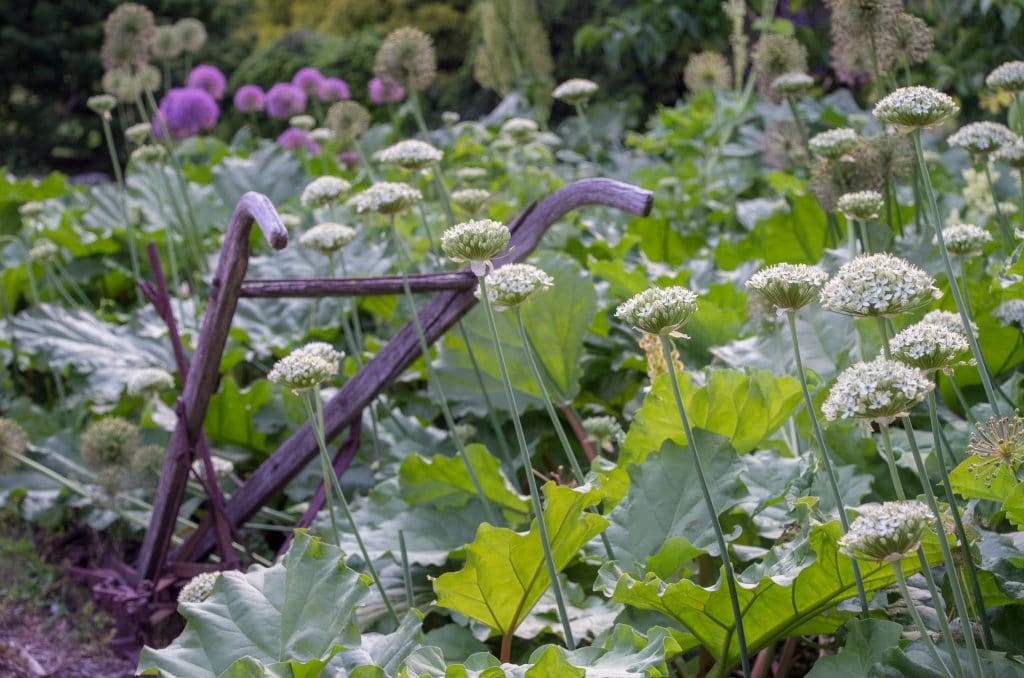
{"points": [[432, 378], [965, 317], [1020, 180], [730, 577], [901, 580], [406, 571], [133, 248], [823, 451], [587, 132], [524, 452], [1004, 224], [800, 127]]}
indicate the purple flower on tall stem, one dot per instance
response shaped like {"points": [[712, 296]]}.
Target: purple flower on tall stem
{"points": [[308, 80], [294, 138], [349, 159], [185, 111], [385, 91], [285, 100], [250, 98], [333, 89], [208, 78]]}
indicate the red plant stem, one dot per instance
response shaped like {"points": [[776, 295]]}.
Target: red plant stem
{"points": [[577, 429]]}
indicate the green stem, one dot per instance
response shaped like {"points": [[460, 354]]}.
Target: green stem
{"points": [[406, 572], [901, 580], [1020, 178], [133, 248], [326, 468], [864, 241], [1004, 225], [588, 133], [801, 129], [730, 577], [524, 452]]}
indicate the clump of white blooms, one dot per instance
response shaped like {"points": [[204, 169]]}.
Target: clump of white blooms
{"points": [[470, 174], [321, 135], [878, 285], [221, 467], [327, 238], [449, 118], [520, 129], [575, 91], [198, 588], [289, 220], [982, 138], [606, 431], [43, 249], [302, 121], [915, 107], [1012, 154], [470, 199], [788, 287], [386, 197], [476, 241], [1008, 76], [102, 104], [658, 310], [965, 239], [930, 347], [465, 432], [138, 133], [978, 196], [514, 284], [324, 191], [947, 319], [886, 532], [31, 209], [1011, 312], [306, 368], [148, 153], [795, 82], [833, 143], [148, 379], [410, 154], [860, 205], [880, 390]]}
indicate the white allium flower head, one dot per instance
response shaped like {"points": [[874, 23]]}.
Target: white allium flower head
{"points": [[982, 138], [321, 135], [606, 431], [1012, 154], [148, 153], [410, 154], [658, 310], [198, 588], [878, 285], [138, 133], [221, 467], [860, 205], [880, 390], [520, 129], [1008, 76], [148, 379], [30, 209], [386, 197], [470, 199], [788, 287], [1011, 312], [328, 237], [102, 104], [324, 351], [915, 107], [965, 239], [43, 249], [289, 220], [302, 121], [476, 241], [887, 532], [833, 143], [324, 191], [930, 347], [575, 91], [514, 284], [470, 174], [306, 368], [450, 117], [794, 82], [947, 319]]}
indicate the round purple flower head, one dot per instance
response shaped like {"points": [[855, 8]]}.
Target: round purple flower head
{"points": [[186, 111], [285, 100], [308, 80], [385, 91], [349, 159], [333, 89], [208, 78], [250, 98], [294, 138]]}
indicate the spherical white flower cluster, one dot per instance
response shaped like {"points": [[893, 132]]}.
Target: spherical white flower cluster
{"points": [[514, 284], [307, 367], [965, 239], [887, 532], [148, 379], [1012, 154], [138, 133], [321, 135], [1011, 312], [476, 241], [289, 220], [979, 198], [794, 82], [386, 197], [302, 121], [327, 238], [915, 107], [879, 390], [982, 138], [470, 174], [101, 103], [198, 588], [1008, 76], [470, 199], [43, 249], [575, 91], [833, 143], [410, 154], [221, 467], [788, 287], [324, 191], [860, 205], [878, 285], [658, 310], [930, 347], [520, 129], [606, 431], [947, 319], [31, 209], [147, 153]]}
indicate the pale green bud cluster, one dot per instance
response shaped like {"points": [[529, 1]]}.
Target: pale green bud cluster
{"points": [[138, 133], [795, 82], [476, 241], [470, 199], [658, 310]]}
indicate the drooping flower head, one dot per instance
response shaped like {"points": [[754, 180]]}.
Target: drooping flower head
{"points": [[470, 199], [324, 191], [285, 100], [915, 107], [148, 379], [410, 154], [792, 83], [294, 138], [965, 240], [514, 284], [327, 238], [348, 120], [192, 34], [333, 89], [185, 111], [308, 79], [880, 390], [198, 588], [575, 91], [788, 287], [887, 532], [127, 34], [658, 310], [109, 442], [908, 39], [878, 285], [13, 441], [1007, 76], [982, 138], [166, 44], [306, 368], [476, 242], [931, 347], [833, 143], [861, 205], [385, 197], [250, 99], [707, 71], [384, 91], [208, 78], [407, 57], [997, 448]]}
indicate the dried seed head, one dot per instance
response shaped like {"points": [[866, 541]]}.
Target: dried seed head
{"points": [[324, 191], [192, 34], [476, 242], [887, 532], [385, 197], [166, 43], [407, 57], [775, 54], [788, 287], [878, 285], [410, 154], [707, 71], [880, 390], [122, 84], [12, 441], [997, 447], [514, 284], [912, 108], [656, 365], [127, 34], [348, 120], [327, 238], [658, 310], [109, 442]]}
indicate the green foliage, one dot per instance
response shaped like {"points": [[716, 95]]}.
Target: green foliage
{"points": [[866, 642]]}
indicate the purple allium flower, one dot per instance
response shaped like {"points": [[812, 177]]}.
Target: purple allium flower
{"points": [[285, 100], [294, 138], [348, 158], [308, 80], [333, 89], [186, 111], [250, 98], [385, 91], [208, 78]]}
